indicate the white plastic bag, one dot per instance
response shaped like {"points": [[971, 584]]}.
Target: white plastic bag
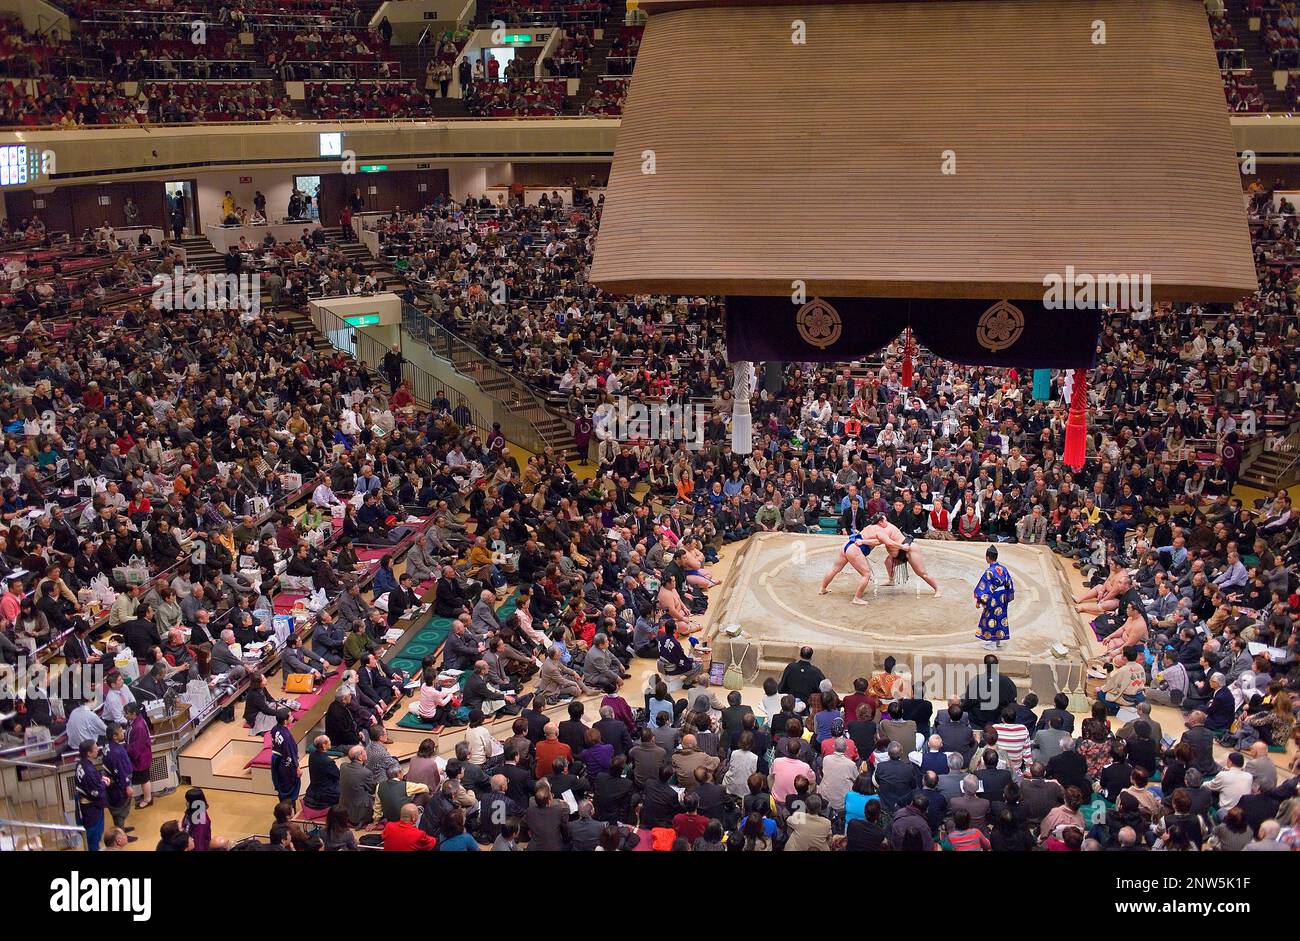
{"points": [[126, 664]]}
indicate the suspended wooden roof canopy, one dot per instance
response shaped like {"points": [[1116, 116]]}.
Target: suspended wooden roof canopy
{"points": [[776, 161]]}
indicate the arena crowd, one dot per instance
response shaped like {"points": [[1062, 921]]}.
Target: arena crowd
{"points": [[135, 436]]}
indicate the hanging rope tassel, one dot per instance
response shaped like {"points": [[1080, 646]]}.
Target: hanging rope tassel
{"points": [[1076, 428], [908, 348]]}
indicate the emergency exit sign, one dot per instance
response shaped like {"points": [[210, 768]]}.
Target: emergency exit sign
{"points": [[362, 320]]}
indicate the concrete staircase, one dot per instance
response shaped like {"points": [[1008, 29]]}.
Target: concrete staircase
{"points": [[302, 326], [357, 254], [555, 428], [201, 254], [1256, 56], [558, 433], [594, 69], [1273, 470]]}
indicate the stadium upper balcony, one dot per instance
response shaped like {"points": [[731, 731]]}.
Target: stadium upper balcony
{"points": [[150, 42], [607, 97], [365, 99], [545, 12], [622, 53], [516, 98], [24, 54]]}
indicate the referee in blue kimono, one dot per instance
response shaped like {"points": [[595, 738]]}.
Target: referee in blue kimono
{"points": [[993, 595], [92, 794], [285, 773]]}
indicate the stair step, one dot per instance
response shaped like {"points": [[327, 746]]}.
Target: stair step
{"points": [[1257, 58]]}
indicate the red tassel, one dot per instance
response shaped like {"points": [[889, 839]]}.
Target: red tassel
{"points": [[1076, 428], [907, 360]]}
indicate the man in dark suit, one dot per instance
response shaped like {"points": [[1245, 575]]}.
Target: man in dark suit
{"points": [[712, 797], [563, 779], [988, 694], [1070, 768], [1202, 798], [499, 805], [585, 829], [153, 685], [992, 779], [919, 711], [613, 731], [536, 718], [141, 635], [1201, 741], [77, 648], [461, 649], [324, 790], [327, 638], [937, 804], [519, 780], [955, 730], [895, 779], [375, 683], [401, 600], [1060, 708], [340, 721], [733, 717], [660, 803], [853, 518], [449, 599], [1118, 774], [1258, 806], [1025, 714], [1038, 795], [1218, 717], [613, 791], [801, 679], [1189, 647], [573, 731]]}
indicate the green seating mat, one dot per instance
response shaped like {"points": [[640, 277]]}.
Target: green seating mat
{"points": [[429, 639]]}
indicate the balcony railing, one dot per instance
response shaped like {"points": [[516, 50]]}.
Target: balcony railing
{"points": [[369, 351], [514, 406], [22, 836]]}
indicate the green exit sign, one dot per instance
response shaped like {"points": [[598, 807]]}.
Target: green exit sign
{"points": [[518, 37], [374, 167], [362, 320]]}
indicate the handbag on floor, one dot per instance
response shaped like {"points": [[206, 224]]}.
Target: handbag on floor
{"points": [[298, 683]]}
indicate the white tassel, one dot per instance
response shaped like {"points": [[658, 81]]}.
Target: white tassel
{"points": [[742, 426]]}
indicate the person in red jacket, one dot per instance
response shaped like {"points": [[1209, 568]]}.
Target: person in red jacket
{"points": [[940, 522], [93, 397], [403, 836]]}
